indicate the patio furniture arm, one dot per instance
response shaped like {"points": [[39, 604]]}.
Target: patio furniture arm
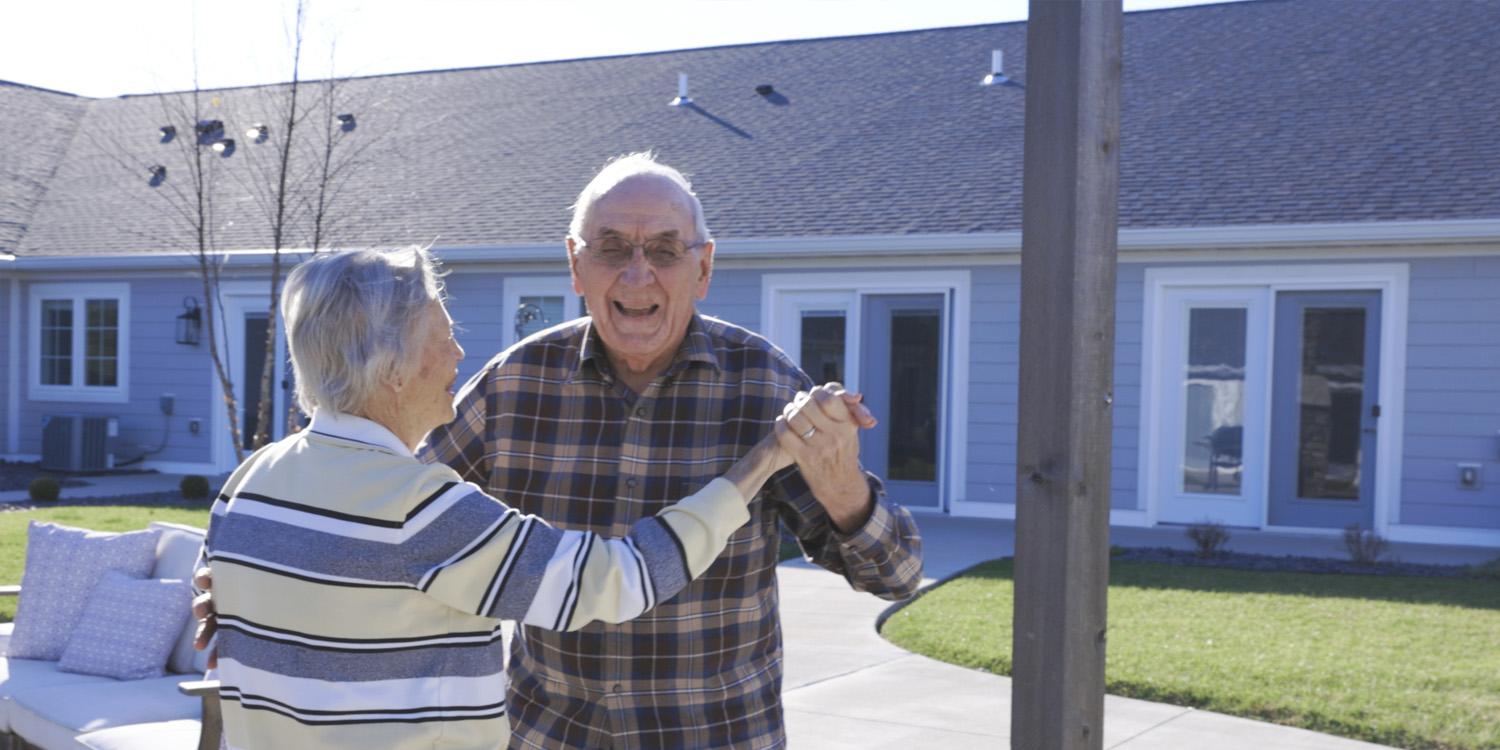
{"points": [[213, 721]]}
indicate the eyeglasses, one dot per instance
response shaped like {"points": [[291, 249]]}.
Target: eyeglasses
{"points": [[661, 252]]}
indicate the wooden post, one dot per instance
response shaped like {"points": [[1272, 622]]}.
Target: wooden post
{"points": [[1068, 239]]}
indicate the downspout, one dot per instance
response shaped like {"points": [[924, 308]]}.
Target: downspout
{"points": [[13, 367]]}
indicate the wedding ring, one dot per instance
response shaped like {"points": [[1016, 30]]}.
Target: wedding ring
{"points": [[809, 432]]}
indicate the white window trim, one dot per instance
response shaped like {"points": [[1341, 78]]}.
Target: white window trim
{"points": [[516, 287], [78, 392], [777, 308], [1391, 279]]}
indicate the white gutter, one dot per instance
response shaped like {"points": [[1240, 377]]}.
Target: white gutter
{"points": [[1250, 237]]}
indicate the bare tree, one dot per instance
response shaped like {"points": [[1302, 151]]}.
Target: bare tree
{"points": [[294, 157]]}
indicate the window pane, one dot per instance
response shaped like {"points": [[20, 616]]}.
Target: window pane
{"points": [[822, 355], [915, 364], [56, 365], [1332, 403], [537, 313], [101, 342], [1214, 401]]}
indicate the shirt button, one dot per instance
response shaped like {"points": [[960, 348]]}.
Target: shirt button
{"points": [[630, 482], [617, 688], [641, 412]]}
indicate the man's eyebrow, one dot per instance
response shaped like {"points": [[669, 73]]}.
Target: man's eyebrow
{"points": [[609, 232]]}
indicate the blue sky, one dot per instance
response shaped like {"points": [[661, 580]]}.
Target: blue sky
{"points": [[105, 48]]}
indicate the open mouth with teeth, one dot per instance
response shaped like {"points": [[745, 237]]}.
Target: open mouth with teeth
{"points": [[636, 312]]}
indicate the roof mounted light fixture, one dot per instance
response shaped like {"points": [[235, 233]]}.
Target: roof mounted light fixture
{"points": [[223, 146], [348, 121], [765, 89], [682, 95], [258, 133], [167, 132], [158, 174]]}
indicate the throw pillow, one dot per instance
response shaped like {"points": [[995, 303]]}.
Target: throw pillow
{"points": [[63, 564], [128, 627]]}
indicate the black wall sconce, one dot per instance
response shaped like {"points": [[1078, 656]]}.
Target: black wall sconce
{"points": [[190, 323]]}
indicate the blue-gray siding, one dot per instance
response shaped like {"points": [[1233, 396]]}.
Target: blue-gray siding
{"points": [[1452, 393]]}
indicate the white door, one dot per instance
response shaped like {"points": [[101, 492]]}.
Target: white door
{"points": [[1211, 458]]}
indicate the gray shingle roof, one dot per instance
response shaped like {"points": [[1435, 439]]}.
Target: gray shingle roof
{"points": [[1260, 112], [36, 126]]}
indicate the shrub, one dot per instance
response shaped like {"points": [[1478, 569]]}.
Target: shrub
{"points": [[1489, 570], [1364, 545], [194, 487], [1209, 537], [45, 489]]}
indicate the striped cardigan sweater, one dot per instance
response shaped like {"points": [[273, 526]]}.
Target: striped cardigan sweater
{"points": [[359, 591]]}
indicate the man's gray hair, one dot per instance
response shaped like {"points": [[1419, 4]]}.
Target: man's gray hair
{"points": [[623, 168], [354, 319]]}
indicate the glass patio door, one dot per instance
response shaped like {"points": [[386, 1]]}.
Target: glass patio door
{"points": [[903, 370], [1324, 411]]}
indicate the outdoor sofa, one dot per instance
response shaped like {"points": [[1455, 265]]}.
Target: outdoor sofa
{"points": [[129, 618]]}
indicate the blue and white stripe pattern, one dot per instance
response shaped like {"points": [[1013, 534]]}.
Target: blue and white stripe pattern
{"points": [[359, 588]]}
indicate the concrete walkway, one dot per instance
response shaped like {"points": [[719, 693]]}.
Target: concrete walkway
{"points": [[846, 687]]}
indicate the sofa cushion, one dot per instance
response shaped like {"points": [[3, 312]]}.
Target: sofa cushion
{"points": [[63, 564], [53, 717], [128, 627], [20, 675], [177, 557], [181, 734]]}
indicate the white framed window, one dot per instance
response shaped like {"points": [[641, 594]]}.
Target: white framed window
{"points": [[79, 342], [536, 303]]}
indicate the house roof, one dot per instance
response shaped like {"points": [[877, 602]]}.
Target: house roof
{"points": [[38, 126], [1266, 112]]}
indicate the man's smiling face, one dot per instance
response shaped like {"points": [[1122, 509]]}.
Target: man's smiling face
{"points": [[641, 310]]}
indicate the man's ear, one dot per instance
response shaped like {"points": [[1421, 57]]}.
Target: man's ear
{"points": [[705, 268], [570, 249]]}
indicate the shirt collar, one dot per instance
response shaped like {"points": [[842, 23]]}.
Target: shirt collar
{"points": [[696, 346], [356, 429]]}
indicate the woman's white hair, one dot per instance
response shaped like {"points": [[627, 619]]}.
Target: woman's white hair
{"points": [[621, 169], [354, 320]]}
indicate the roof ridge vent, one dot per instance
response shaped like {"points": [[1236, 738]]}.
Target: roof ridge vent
{"points": [[682, 95]]}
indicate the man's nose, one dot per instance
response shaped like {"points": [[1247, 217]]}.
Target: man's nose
{"points": [[638, 270]]}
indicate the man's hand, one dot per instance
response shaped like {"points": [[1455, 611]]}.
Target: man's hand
{"points": [[820, 430], [203, 610]]}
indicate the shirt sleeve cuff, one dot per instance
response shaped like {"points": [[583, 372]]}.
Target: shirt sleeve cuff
{"points": [[874, 531]]}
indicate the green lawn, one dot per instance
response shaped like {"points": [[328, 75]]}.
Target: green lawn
{"points": [[1407, 662], [13, 526]]}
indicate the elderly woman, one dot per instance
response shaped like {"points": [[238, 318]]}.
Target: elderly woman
{"points": [[358, 590]]}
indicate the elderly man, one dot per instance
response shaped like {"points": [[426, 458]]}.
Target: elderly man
{"points": [[600, 422]]}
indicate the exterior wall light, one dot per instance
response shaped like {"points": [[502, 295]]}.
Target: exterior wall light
{"points": [[190, 323]]}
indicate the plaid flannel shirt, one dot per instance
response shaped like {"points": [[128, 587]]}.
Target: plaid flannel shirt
{"points": [[545, 427]]}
